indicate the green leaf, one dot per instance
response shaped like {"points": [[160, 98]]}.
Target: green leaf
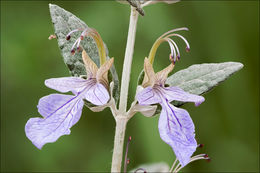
{"points": [[201, 78], [64, 22]]}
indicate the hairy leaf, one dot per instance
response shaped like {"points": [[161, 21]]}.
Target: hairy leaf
{"points": [[64, 22], [201, 78]]}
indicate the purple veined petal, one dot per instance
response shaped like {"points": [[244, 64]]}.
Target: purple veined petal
{"points": [[66, 84], [176, 93], [57, 119], [177, 130], [97, 94], [49, 104], [148, 96]]}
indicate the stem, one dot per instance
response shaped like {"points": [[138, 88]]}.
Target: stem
{"points": [[128, 60], [121, 116], [119, 143]]}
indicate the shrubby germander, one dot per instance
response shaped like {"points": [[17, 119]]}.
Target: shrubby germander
{"points": [[98, 88]]}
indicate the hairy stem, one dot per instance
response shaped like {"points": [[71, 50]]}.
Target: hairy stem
{"points": [[128, 60], [121, 116], [121, 122]]}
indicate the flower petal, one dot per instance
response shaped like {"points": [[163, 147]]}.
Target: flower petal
{"points": [[97, 94], [57, 119], [66, 84], [177, 130], [148, 96], [176, 93]]}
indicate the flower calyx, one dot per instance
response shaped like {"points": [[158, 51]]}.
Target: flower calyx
{"points": [[100, 74]]}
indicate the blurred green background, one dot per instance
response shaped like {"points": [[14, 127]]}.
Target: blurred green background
{"points": [[227, 122]]}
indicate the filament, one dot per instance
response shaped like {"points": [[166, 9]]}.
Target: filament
{"points": [[174, 163], [173, 51], [174, 30], [178, 35], [75, 44]]}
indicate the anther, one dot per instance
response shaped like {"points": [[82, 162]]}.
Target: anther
{"points": [[81, 37], [187, 49], [68, 37], [72, 51], [201, 145], [205, 156], [178, 57], [79, 48], [128, 161], [170, 57]]}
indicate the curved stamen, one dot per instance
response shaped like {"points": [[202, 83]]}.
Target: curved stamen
{"points": [[177, 49], [97, 38], [173, 165], [173, 55], [74, 44], [68, 35], [194, 158], [174, 30], [184, 39]]}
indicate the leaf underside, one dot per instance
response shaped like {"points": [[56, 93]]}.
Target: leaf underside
{"points": [[64, 22]]}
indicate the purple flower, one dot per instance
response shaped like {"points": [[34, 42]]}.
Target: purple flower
{"points": [[175, 125], [60, 112]]}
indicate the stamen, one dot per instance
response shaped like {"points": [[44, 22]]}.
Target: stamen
{"points": [[174, 163], [194, 158], [173, 51], [184, 39], [72, 51], [174, 30], [73, 46], [78, 43], [68, 35], [127, 161], [201, 145], [83, 34], [176, 47]]}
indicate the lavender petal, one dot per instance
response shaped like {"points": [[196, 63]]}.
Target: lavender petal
{"points": [[66, 84], [176, 93], [97, 94], [58, 118], [148, 96], [177, 130]]}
